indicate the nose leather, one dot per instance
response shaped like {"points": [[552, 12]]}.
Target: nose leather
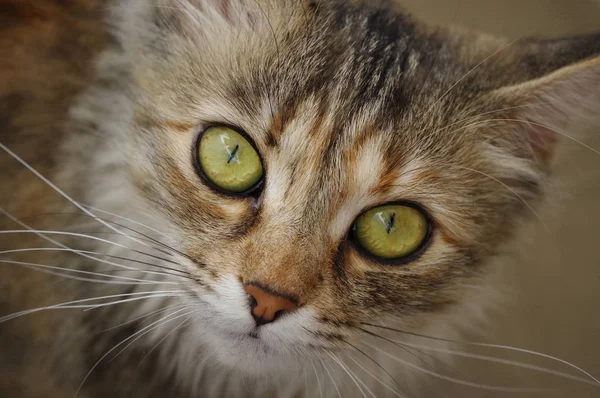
{"points": [[268, 305]]}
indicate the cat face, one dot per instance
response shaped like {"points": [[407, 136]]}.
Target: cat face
{"points": [[347, 110]]}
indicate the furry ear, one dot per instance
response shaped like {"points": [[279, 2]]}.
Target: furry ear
{"points": [[561, 103]]}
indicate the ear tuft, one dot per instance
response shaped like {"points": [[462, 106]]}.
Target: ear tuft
{"points": [[564, 103]]}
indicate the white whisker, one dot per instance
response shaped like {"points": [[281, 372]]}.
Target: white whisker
{"points": [[44, 267], [144, 317], [468, 73], [488, 345], [460, 381], [350, 374], [549, 128], [318, 379], [63, 233], [510, 189], [95, 306], [42, 233], [63, 194], [476, 116], [305, 383], [164, 248], [69, 250], [138, 235], [155, 346], [141, 333], [125, 219], [332, 379], [500, 361], [396, 393], [75, 303]]}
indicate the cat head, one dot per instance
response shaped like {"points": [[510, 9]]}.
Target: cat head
{"points": [[327, 165]]}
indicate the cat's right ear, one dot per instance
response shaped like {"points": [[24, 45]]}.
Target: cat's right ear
{"points": [[560, 103]]}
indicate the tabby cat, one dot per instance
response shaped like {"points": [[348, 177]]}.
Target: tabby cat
{"points": [[236, 198]]}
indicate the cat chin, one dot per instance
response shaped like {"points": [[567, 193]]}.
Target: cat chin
{"points": [[219, 337], [250, 357]]}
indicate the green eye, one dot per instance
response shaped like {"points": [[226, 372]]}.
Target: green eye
{"points": [[228, 160], [392, 231]]}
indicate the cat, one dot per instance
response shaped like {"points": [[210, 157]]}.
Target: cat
{"points": [[246, 197]]}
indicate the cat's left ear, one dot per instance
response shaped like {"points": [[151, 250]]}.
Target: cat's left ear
{"points": [[559, 103]]}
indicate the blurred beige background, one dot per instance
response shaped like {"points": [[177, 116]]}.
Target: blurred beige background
{"points": [[555, 303]]}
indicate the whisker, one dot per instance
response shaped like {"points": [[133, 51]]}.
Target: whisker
{"points": [[487, 345], [318, 379], [518, 121], [476, 116], [549, 128], [305, 382], [98, 210], [332, 379], [62, 193], [468, 73], [76, 303], [396, 393], [510, 189], [44, 268], [399, 345], [95, 306], [56, 249], [349, 373], [147, 238], [155, 346], [142, 331], [144, 317], [42, 234], [174, 251], [374, 361], [26, 226], [39, 233], [460, 381], [516, 364]]}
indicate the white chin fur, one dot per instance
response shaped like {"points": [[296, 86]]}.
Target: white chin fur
{"points": [[224, 330]]}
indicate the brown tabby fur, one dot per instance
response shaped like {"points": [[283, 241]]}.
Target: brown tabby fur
{"points": [[359, 105]]}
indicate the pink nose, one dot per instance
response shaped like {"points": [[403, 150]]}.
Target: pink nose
{"points": [[267, 306]]}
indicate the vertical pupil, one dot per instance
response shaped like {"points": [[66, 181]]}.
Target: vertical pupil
{"points": [[390, 225], [233, 153], [228, 160]]}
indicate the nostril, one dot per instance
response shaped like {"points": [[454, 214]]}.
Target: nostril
{"points": [[279, 313], [252, 301]]}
